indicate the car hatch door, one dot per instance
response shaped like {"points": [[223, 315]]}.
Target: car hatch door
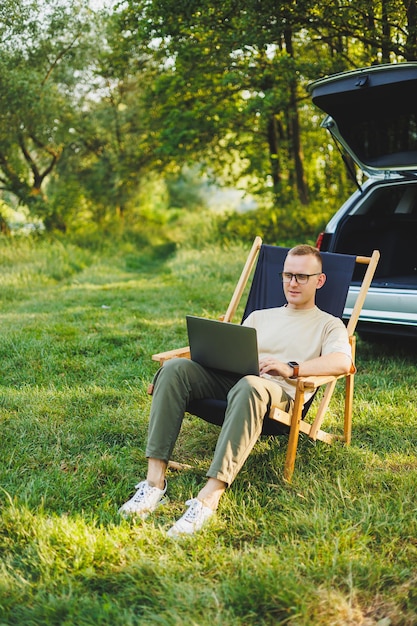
{"points": [[372, 113]]}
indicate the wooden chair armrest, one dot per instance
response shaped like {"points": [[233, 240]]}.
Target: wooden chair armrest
{"points": [[161, 357], [313, 382]]}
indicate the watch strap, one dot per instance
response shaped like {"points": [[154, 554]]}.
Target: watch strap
{"points": [[295, 368]]}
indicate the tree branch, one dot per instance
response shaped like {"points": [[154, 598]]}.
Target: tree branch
{"points": [[58, 58]]}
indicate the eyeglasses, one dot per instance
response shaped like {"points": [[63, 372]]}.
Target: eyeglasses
{"points": [[301, 279]]}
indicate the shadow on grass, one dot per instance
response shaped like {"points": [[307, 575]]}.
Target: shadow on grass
{"points": [[388, 347]]}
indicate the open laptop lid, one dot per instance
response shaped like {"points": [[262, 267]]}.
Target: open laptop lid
{"points": [[223, 345]]}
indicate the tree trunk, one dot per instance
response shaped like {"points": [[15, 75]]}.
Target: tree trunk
{"points": [[411, 45], [386, 33], [274, 152], [294, 130]]}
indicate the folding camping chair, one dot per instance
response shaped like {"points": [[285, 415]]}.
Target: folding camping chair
{"points": [[266, 292]]}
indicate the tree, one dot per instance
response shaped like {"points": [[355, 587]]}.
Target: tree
{"points": [[227, 84], [91, 103], [42, 49], [233, 74]]}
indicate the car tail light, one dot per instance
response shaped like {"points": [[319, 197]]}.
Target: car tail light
{"points": [[319, 240]]}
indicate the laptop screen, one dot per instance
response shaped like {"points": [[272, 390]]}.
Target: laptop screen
{"points": [[223, 346]]}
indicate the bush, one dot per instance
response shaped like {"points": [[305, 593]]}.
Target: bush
{"points": [[294, 223]]}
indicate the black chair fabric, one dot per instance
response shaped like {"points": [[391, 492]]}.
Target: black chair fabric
{"points": [[267, 292]]}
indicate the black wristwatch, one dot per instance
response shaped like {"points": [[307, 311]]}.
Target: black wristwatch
{"points": [[295, 368]]}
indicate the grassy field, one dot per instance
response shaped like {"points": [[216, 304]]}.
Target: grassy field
{"points": [[338, 546]]}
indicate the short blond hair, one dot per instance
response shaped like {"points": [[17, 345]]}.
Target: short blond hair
{"points": [[305, 249]]}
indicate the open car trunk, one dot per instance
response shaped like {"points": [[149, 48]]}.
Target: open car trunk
{"points": [[372, 113], [387, 221]]}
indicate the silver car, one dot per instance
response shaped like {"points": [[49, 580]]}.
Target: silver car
{"points": [[372, 114]]}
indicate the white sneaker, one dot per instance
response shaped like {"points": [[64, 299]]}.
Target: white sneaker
{"points": [[193, 519], [145, 500]]}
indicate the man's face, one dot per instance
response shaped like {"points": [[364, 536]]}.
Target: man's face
{"points": [[302, 296]]}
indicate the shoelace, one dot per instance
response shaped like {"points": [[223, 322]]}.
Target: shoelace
{"points": [[143, 490], [192, 513]]}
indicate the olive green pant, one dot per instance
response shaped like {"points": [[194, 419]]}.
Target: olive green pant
{"points": [[248, 401]]}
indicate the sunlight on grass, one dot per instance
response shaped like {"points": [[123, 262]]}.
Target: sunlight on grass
{"points": [[335, 547]]}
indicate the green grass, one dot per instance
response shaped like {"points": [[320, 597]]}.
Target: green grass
{"points": [[338, 546]]}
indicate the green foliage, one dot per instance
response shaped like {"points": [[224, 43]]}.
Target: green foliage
{"points": [[39, 63], [335, 547], [294, 223], [242, 69], [94, 104]]}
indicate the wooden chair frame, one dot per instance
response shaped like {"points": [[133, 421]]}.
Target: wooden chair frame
{"points": [[295, 421]]}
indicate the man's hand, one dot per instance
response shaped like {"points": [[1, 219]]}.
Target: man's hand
{"points": [[273, 367]]}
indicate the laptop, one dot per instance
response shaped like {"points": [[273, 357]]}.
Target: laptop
{"points": [[223, 346]]}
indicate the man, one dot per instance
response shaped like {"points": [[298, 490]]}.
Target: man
{"points": [[297, 339]]}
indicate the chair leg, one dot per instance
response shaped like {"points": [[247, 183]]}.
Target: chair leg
{"points": [[294, 435], [350, 380], [348, 409]]}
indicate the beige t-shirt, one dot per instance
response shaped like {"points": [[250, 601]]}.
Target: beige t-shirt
{"points": [[297, 335]]}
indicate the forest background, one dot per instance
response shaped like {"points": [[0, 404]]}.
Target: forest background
{"points": [[167, 121]]}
